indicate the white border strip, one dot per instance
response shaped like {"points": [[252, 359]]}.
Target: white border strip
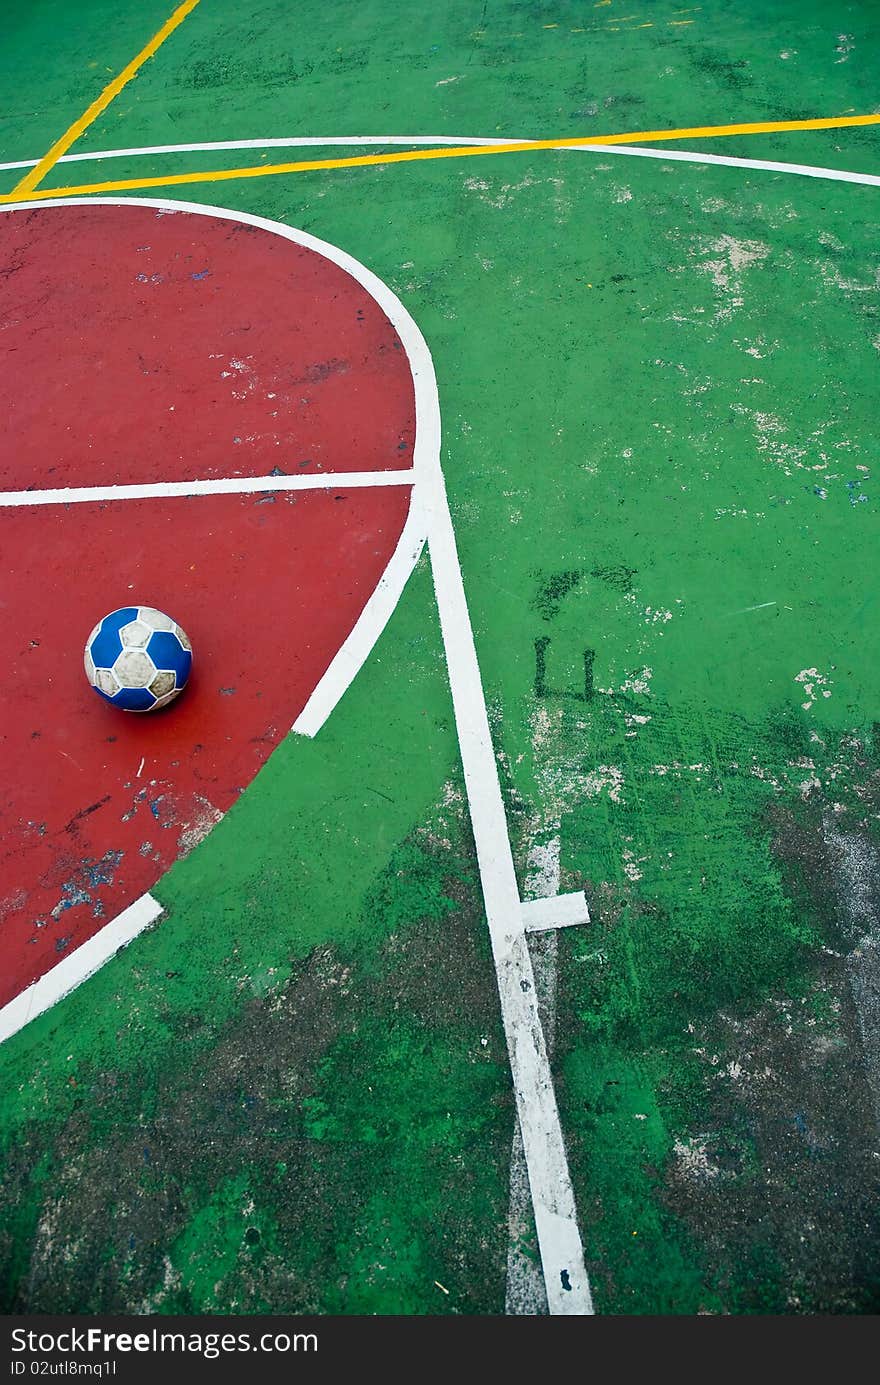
{"points": [[88, 958], [232, 485]]}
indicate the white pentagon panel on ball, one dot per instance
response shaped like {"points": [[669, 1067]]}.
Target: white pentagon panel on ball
{"points": [[164, 683], [89, 666], [135, 634], [183, 637], [134, 669], [106, 681], [156, 620]]}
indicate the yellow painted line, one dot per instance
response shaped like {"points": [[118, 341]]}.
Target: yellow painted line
{"points": [[220, 175], [110, 92]]}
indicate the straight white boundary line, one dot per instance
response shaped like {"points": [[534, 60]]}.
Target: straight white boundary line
{"points": [[567, 1286], [66, 975], [632, 150], [562, 1257], [230, 485]]}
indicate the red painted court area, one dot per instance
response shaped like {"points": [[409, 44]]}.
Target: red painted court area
{"points": [[140, 345]]}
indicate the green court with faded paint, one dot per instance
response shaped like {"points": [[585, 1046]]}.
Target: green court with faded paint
{"points": [[657, 382]]}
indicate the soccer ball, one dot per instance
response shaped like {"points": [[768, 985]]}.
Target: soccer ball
{"points": [[138, 659]]}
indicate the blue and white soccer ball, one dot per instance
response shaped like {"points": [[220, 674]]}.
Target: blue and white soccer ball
{"points": [[138, 659]]}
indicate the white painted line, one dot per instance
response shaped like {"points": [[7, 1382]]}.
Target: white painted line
{"points": [[525, 1293], [294, 142], [557, 911], [562, 1257], [352, 654], [82, 963], [631, 150], [838, 175], [228, 485]]}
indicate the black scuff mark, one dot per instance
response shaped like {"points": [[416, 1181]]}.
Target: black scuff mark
{"points": [[551, 590], [86, 812]]}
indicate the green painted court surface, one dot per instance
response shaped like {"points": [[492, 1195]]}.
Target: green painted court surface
{"points": [[658, 386]]}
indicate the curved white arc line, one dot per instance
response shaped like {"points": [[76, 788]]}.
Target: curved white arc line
{"points": [[637, 151], [231, 485], [292, 142], [355, 649], [69, 973], [839, 175]]}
